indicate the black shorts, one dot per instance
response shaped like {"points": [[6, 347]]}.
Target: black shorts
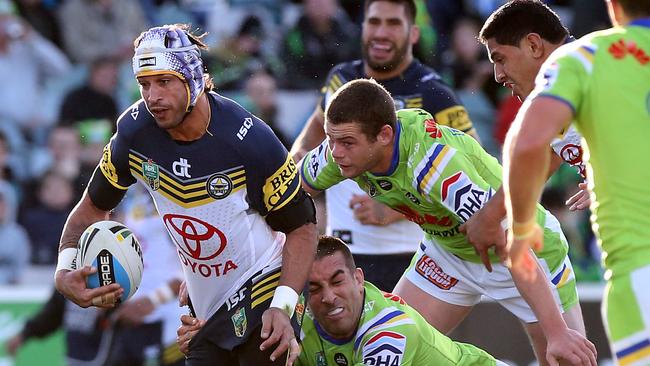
{"points": [[232, 335]]}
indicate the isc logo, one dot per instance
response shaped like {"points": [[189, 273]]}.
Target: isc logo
{"points": [[243, 130]]}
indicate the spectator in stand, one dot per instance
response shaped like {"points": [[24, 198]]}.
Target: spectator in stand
{"points": [[241, 55], [28, 61], [45, 220], [95, 98], [42, 18], [88, 331], [62, 154], [322, 38], [6, 168], [15, 249], [261, 100], [100, 28]]}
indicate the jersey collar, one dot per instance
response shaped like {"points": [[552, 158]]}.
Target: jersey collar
{"points": [[641, 22]]}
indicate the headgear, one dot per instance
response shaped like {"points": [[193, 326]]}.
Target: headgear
{"points": [[168, 50]]}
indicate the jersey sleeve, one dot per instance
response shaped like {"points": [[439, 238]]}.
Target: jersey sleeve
{"points": [[318, 169], [446, 109], [565, 73], [112, 177], [271, 174]]}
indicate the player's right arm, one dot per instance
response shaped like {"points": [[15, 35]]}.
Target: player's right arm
{"points": [[69, 281], [106, 189], [563, 343]]}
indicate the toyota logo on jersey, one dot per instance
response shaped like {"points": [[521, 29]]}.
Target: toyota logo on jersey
{"points": [[195, 237]]}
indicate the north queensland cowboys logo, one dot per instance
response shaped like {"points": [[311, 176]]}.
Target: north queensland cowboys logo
{"points": [[219, 186]]}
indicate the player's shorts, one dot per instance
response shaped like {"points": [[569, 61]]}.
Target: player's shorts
{"points": [[456, 281], [626, 312], [232, 335]]}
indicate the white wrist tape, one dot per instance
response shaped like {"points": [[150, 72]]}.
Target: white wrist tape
{"points": [[161, 295], [285, 299], [67, 260]]}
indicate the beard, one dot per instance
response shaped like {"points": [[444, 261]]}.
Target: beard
{"points": [[385, 66]]}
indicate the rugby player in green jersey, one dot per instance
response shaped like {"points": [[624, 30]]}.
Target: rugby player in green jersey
{"points": [[602, 83], [351, 322], [439, 178]]}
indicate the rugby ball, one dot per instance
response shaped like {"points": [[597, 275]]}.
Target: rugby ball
{"points": [[113, 249]]}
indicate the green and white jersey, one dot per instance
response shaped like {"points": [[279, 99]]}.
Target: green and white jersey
{"points": [[605, 79], [389, 333], [439, 178]]}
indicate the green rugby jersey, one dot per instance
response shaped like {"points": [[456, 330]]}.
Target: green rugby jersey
{"points": [[389, 333], [605, 79], [439, 178]]}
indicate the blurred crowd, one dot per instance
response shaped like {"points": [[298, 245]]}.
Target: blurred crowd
{"points": [[66, 67]]}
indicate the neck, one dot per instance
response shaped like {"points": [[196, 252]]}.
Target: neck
{"points": [[384, 75], [385, 159], [195, 124]]}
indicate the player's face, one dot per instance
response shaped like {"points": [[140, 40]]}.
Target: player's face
{"points": [[336, 295], [514, 67], [352, 150], [166, 99], [387, 36]]}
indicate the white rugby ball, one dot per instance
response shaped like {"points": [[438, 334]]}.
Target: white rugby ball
{"points": [[113, 249]]}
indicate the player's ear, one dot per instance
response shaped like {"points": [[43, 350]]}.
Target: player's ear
{"points": [[414, 34], [359, 276], [534, 44], [385, 135]]}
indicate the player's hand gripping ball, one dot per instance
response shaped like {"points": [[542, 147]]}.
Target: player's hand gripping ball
{"points": [[113, 249]]}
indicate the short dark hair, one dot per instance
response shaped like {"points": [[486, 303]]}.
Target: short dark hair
{"points": [[635, 8], [409, 7], [514, 20], [328, 245], [363, 101]]}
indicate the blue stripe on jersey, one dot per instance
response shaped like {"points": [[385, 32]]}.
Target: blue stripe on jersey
{"points": [[428, 166], [622, 353], [384, 319]]}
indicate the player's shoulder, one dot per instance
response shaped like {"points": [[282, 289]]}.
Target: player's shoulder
{"points": [[351, 69], [134, 119], [423, 74]]}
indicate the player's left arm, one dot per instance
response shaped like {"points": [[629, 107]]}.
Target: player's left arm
{"points": [[274, 188]]}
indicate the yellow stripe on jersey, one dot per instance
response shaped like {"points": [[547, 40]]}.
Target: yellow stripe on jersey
{"points": [[276, 186], [266, 280], [186, 195], [415, 102], [261, 290], [454, 117], [108, 169]]}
